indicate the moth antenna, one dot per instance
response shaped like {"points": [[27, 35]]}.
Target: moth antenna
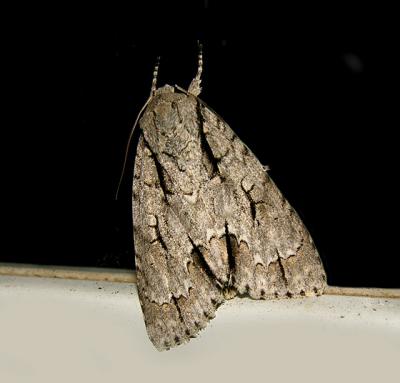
{"points": [[128, 146], [194, 87], [153, 89], [155, 75]]}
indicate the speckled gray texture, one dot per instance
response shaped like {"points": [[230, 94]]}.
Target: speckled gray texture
{"points": [[209, 223]]}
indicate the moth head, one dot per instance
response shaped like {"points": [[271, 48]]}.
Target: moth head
{"points": [[164, 89]]}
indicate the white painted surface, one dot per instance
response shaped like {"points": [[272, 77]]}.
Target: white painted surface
{"points": [[54, 330]]}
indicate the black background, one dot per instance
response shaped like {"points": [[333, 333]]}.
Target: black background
{"points": [[312, 91]]}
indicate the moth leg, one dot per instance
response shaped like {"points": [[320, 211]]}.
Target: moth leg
{"points": [[195, 88]]}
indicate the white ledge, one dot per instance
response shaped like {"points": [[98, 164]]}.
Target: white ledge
{"points": [[64, 330]]}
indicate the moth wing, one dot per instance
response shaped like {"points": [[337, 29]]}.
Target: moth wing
{"points": [[177, 295], [274, 255]]}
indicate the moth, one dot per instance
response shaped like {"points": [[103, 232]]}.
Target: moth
{"points": [[209, 223]]}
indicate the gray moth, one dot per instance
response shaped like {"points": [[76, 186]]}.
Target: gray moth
{"points": [[209, 223]]}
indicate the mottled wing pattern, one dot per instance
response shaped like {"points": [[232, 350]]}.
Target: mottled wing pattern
{"points": [[209, 223], [274, 255], [177, 295]]}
